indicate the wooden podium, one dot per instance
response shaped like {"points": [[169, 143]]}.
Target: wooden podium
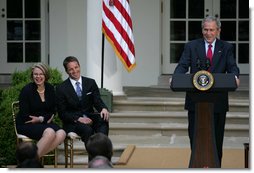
{"points": [[204, 151]]}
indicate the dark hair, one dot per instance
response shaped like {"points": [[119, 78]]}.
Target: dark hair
{"points": [[30, 163], [69, 59], [26, 150], [99, 144], [100, 162]]}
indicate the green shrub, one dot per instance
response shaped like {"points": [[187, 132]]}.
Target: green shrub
{"points": [[7, 133]]}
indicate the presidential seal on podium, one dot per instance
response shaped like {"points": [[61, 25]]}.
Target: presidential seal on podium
{"points": [[203, 80]]}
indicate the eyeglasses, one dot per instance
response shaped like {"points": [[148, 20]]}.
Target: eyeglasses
{"points": [[38, 74]]}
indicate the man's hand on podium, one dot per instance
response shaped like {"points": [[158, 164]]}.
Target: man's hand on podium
{"points": [[169, 81], [237, 81]]}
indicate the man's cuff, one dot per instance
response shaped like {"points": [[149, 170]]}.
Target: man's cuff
{"points": [[41, 118]]}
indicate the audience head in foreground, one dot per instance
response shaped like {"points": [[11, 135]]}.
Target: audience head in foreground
{"points": [[99, 145], [27, 155], [100, 162]]}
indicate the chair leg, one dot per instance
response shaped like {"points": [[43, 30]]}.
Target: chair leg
{"points": [[56, 158], [71, 153], [42, 160], [66, 145]]}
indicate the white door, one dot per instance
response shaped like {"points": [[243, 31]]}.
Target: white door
{"points": [[22, 34], [182, 23]]}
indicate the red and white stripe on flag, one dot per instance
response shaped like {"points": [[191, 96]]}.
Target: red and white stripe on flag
{"points": [[117, 27]]}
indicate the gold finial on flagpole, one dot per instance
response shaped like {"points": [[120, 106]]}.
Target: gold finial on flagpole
{"points": [[111, 2]]}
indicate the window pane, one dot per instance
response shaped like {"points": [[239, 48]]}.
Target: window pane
{"points": [[177, 8], [227, 9], [176, 50], [243, 31], [244, 9], [228, 30], [196, 8], [33, 30], [14, 8], [32, 9], [14, 30], [243, 53], [14, 52], [194, 30], [33, 52], [234, 47], [177, 30]]}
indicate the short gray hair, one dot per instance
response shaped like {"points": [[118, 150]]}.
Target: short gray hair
{"points": [[210, 19]]}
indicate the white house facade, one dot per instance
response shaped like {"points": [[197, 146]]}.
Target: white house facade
{"points": [[73, 27]]}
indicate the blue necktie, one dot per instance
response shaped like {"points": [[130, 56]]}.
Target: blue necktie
{"points": [[78, 90]]}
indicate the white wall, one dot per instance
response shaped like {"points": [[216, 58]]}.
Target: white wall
{"points": [[68, 37], [146, 30], [67, 28]]}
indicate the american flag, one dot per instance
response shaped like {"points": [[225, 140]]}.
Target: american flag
{"points": [[117, 27]]}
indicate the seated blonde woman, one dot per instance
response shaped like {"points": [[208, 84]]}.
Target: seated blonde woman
{"points": [[37, 109]]}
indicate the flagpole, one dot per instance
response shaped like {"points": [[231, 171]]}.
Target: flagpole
{"points": [[102, 60]]}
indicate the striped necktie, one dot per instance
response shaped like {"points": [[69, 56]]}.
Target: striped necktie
{"points": [[78, 90]]}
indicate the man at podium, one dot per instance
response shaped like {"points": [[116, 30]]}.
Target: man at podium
{"points": [[216, 56]]}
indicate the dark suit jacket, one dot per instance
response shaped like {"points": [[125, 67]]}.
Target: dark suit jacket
{"points": [[70, 108], [223, 62], [30, 103]]}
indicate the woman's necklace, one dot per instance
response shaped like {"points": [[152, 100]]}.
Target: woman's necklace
{"points": [[41, 92]]}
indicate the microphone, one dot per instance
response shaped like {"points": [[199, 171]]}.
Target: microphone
{"points": [[198, 64], [207, 63]]}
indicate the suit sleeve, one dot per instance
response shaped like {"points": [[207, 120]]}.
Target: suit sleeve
{"points": [[66, 114], [98, 103], [231, 62], [24, 106], [185, 60]]}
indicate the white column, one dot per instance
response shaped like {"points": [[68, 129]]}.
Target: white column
{"points": [[112, 79]]}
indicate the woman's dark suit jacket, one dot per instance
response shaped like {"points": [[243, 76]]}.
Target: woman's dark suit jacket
{"points": [[30, 103]]}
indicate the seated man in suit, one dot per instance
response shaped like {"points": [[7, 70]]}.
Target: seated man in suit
{"points": [[76, 98]]}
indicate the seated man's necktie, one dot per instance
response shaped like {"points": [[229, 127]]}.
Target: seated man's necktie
{"points": [[78, 90]]}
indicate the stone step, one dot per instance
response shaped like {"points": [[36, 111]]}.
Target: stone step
{"points": [[239, 105], [155, 117], [167, 104], [166, 92], [120, 142], [166, 116], [168, 129]]}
